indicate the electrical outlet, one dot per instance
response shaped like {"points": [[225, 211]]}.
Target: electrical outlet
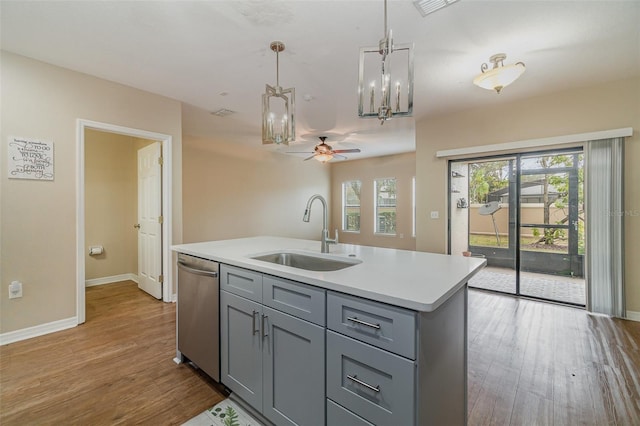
{"points": [[15, 289], [435, 215]]}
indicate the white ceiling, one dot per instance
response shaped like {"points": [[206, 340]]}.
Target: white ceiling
{"points": [[215, 54]]}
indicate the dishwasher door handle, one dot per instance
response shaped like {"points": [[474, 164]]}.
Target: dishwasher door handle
{"points": [[197, 271]]}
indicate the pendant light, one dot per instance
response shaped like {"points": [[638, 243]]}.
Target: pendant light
{"points": [[385, 78], [278, 108]]}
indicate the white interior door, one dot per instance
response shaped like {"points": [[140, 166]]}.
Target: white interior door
{"points": [[150, 219]]}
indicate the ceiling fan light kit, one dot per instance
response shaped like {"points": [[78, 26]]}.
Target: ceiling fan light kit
{"points": [[500, 76], [381, 94], [323, 152], [278, 108]]}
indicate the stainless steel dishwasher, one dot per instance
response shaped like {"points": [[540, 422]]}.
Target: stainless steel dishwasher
{"points": [[198, 313]]}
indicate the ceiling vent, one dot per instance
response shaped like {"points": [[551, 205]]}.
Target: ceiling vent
{"points": [[222, 112], [426, 7]]}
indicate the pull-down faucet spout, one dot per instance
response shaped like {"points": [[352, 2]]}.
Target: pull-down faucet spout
{"points": [[325, 241]]}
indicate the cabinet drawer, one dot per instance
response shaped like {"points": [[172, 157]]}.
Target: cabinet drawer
{"points": [[296, 299], [372, 383], [338, 415], [387, 327], [242, 282]]}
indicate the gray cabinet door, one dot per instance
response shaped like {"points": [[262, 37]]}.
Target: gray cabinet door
{"points": [[293, 357], [241, 347]]}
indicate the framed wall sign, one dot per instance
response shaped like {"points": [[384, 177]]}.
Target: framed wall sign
{"points": [[30, 159]]}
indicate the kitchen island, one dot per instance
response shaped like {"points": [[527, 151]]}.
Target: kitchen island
{"points": [[381, 341]]}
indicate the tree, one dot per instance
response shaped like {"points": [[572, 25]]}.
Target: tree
{"points": [[559, 181], [485, 178]]}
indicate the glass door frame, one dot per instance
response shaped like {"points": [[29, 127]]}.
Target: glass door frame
{"points": [[515, 216]]}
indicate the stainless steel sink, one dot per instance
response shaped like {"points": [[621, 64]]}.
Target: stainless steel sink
{"points": [[308, 262]]}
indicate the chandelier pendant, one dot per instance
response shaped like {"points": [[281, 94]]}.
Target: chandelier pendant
{"points": [[278, 108], [387, 94]]}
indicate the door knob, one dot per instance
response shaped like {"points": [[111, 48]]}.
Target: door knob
{"points": [[137, 226]]}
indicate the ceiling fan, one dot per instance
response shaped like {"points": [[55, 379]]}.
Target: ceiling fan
{"points": [[323, 152]]}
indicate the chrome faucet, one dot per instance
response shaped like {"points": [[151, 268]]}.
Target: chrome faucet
{"points": [[324, 244]]}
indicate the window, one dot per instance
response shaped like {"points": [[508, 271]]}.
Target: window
{"points": [[385, 196], [351, 206]]}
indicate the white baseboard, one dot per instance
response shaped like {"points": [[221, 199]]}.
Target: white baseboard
{"points": [[38, 330], [112, 279], [633, 316]]}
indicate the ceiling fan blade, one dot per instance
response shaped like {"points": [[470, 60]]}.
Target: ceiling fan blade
{"points": [[346, 150], [338, 155], [299, 152], [309, 158]]}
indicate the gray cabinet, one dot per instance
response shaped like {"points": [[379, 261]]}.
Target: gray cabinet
{"points": [[384, 326], [271, 359], [375, 384], [293, 370], [300, 355], [241, 347]]}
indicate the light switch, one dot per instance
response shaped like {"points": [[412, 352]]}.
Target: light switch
{"points": [[15, 289], [435, 215]]}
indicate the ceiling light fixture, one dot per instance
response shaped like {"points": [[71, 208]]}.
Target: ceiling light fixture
{"points": [[278, 108], [394, 93], [426, 7], [500, 76], [323, 157]]}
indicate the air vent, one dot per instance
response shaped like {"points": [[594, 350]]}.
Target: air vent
{"points": [[222, 112], [426, 7]]}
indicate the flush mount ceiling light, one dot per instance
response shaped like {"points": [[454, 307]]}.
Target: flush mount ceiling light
{"points": [[500, 76], [278, 108], [392, 94], [426, 7]]}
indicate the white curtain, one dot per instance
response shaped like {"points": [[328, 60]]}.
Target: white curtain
{"points": [[604, 207]]}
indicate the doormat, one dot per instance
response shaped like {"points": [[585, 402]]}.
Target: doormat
{"points": [[224, 413]]}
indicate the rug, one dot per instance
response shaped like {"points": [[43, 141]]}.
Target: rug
{"points": [[225, 413]]}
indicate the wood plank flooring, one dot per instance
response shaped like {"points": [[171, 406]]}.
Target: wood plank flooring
{"points": [[529, 363], [117, 368], [545, 364]]}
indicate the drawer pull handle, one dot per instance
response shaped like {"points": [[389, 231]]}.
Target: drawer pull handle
{"points": [[368, 324], [366, 385], [253, 325]]}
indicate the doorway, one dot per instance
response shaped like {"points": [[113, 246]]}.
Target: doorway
{"points": [[165, 190], [524, 213]]}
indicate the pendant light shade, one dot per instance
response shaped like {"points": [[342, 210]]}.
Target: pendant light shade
{"points": [[500, 76], [278, 108]]}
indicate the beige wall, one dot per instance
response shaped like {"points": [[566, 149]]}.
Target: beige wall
{"points": [[111, 203], [402, 167], [38, 219], [234, 191], [607, 106]]}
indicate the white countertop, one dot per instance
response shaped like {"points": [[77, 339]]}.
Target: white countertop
{"points": [[410, 279]]}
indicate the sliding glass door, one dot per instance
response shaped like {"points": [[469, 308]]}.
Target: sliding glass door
{"points": [[552, 227], [524, 214]]}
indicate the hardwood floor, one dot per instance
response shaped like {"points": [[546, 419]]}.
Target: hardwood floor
{"points": [[539, 363], [529, 363], [117, 368]]}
